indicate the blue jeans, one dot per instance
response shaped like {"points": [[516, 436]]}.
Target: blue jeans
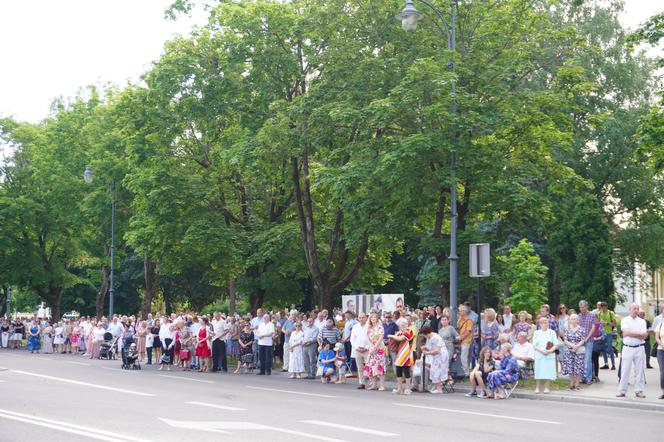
{"points": [[608, 351], [589, 362]]}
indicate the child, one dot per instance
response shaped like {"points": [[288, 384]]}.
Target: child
{"points": [[326, 359], [340, 363]]}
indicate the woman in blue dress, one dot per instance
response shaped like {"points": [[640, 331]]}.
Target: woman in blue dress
{"points": [[507, 373], [545, 342], [34, 342]]}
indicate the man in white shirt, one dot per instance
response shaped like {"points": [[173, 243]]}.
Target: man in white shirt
{"points": [[255, 322], [265, 333], [634, 331], [310, 347], [523, 351], [359, 341], [659, 318], [508, 317], [219, 361]]}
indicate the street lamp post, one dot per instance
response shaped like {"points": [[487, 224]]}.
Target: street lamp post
{"points": [[409, 17], [88, 176]]}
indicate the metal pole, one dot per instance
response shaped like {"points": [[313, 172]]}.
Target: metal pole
{"points": [[8, 293], [111, 289], [454, 258]]}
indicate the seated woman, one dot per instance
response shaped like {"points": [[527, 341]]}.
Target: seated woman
{"points": [[481, 372], [507, 373], [326, 359]]}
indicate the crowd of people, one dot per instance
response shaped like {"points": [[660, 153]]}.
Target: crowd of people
{"points": [[419, 346]]}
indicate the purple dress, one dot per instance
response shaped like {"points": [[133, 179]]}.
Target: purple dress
{"points": [[574, 363]]}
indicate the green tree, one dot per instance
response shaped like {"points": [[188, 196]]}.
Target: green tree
{"points": [[526, 276]]}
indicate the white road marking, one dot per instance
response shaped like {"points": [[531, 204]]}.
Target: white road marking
{"points": [[85, 384], [224, 427], [350, 428], [185, 379], [221, 407], [76, 363], [113, 369], [475, 413], [292, 392], [67, 427], [41, 358]]}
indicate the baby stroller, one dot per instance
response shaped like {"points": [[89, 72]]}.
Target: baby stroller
{"points": [[130, 358], [108, 346], [247, 363]]}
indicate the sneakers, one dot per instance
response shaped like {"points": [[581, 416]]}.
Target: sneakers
{"points": [[471, 394], [537, 391], [546, 391], [640, 395], [620, 395], [396, 391], [481, 394]]}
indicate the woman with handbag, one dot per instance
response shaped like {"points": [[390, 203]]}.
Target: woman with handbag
{"points": [[245, 341], [545, 342], [185, 339], [574, 360]]}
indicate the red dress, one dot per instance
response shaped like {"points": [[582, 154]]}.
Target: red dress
{"points": [[202, 349]]}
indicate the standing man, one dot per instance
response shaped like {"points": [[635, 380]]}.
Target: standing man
{"points": [[508, 317], [287, 328], [255, 322], [634, 332], [310, 347], [607, 320], [646, 345], [588, 323], [219, 361], [390, 328], [465, 328], [265, 343], [345, 337], [359, 340]]}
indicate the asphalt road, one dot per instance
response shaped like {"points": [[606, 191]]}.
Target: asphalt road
{"points": [[69, 398]]}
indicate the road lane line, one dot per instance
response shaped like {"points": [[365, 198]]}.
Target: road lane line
{"points": [[114, 369], [221, 407], [41, 358], [291, 392], [350, 428], [77, 363], [85, 384], [93, 433], [475, 413], [185, 379]]}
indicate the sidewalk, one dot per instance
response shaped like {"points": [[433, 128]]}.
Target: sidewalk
{"points": [[603, 393]]}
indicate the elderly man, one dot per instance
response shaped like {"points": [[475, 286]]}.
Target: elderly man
{"points": [[359, 341], [588, 322], [465, 328], [265, 333], [523, 351], [310, 347], [634, 332]]}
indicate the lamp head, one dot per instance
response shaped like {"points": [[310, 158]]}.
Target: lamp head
{"points": [[409, 17], [87, 175]]}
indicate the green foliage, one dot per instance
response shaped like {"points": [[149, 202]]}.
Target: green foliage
{"points": [[526, 276]]}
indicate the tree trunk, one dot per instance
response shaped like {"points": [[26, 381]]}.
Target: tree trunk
{"points": [[256, 299], [232, 297], [53, 298], [101, 293], [151, 273]]}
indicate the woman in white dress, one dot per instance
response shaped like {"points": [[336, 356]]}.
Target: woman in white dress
{"points": [[437, 358], [59, 340], [48, 338], [296, 360]]}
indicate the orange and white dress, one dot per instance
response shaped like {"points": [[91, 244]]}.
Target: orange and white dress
{"points": [[405, 353]]}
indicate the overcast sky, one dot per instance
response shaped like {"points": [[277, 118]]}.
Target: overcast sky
{"points": [[52, 48]]}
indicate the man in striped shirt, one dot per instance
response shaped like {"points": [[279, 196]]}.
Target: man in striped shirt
{"points": [[329, 332]]}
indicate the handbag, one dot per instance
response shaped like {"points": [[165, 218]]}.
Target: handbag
{"points": [[319, 371], [166, 359], [185, 355]]}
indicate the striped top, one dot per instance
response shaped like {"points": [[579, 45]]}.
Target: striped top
{"points": [[404, 353]]}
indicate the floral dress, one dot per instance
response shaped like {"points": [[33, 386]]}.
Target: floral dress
{"points": [[376, 363], [508, 372], [247, 339], [34, 342], [490, 334], [296, 360], [573, 362], [439, 362]]}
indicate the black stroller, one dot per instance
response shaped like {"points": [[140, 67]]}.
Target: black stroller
{"points": [[130, 358], [108, 346]]}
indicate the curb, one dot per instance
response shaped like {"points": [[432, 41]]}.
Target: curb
{"points": [[585, 400]]}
